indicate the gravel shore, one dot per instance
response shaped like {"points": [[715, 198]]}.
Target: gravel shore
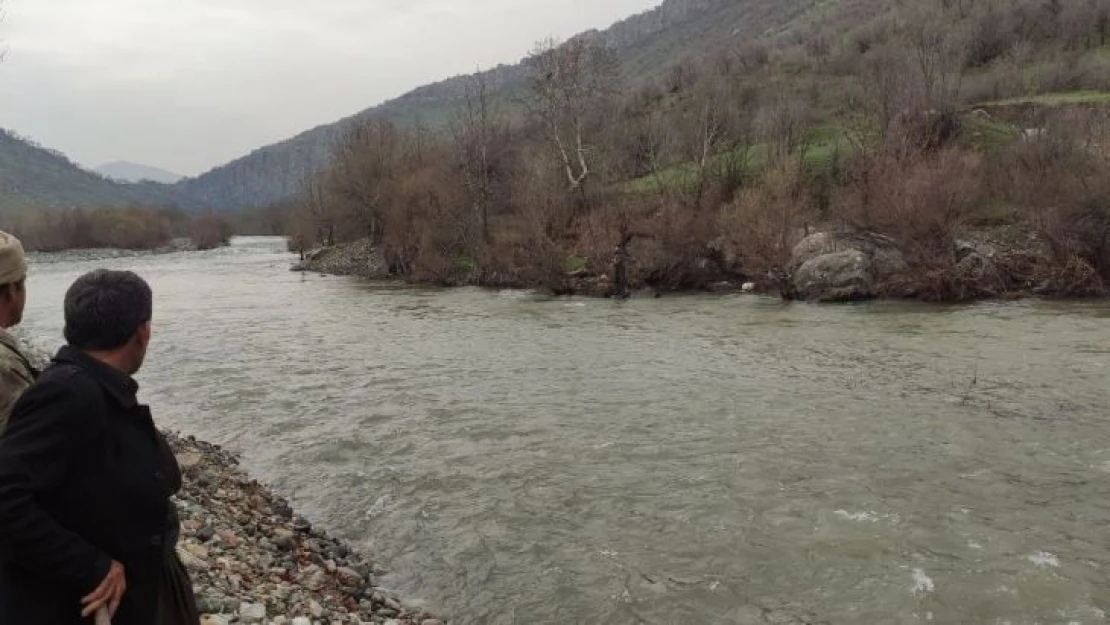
{"points": [[253, 561], [347, 259]]}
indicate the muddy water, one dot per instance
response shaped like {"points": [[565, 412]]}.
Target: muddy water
{"points": [[513, 459]]}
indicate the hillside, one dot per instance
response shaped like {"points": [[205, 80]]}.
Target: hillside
{"points": [[939, 150], [35, 177], [123, 171], [648, 44]]}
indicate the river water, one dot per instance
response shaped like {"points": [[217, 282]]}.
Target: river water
{"points": [[513, 459]]}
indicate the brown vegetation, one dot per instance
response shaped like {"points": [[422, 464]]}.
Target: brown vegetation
{"points": [[715, 170], [133, 228], [210, 230]]}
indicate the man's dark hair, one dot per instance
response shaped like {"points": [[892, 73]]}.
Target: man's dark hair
{"points": [[104, 309]]}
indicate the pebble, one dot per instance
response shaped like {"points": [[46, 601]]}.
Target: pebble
{"points": [[229, 538], [252, 612], [349, 576], [284, 539]]}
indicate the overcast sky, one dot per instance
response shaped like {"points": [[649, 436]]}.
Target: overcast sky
{"points": [[189, 84]]}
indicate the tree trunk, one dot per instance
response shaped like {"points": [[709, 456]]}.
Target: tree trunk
{"points": [[621, 287]]}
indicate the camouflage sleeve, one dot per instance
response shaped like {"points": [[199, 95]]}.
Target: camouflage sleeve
{"points": [[12, 385]]}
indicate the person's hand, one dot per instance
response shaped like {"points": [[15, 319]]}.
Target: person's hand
{"points": [[108, 594]]}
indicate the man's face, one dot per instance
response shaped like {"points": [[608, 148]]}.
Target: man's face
{"points": [[15, 296], [21, 299]]}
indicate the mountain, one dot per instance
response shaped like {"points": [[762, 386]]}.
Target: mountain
{"points": [[648, 44], [32, 176], [123, 171]]}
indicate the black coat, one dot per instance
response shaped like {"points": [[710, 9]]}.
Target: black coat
{"points": [[85, 478]]}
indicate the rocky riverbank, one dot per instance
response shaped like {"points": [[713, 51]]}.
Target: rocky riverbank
{"points": [[253, 560], [360, 259], [830, 265], [347, 259]]}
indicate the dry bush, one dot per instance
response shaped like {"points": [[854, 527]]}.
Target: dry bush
{"points": [[523, 255], [210, 230], [120, 228], [766, 221], [1059, 180], [676, 250], [922, 204]]}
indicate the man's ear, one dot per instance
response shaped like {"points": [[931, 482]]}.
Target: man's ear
{"points": [[142, 336]]}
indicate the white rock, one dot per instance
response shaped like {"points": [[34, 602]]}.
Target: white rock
{"points": [[214, 619], [302, 620], [315, 609], [190, 561], [189, 459], [252, 612], [196, 550]]}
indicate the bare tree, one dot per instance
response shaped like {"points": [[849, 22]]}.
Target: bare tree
{"points": [[364, 171], [783, 121], [569, 82], [320, 226], [883, 86], [939, 56], [481, 140]]}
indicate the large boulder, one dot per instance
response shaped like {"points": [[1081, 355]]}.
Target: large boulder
{"points": [[819, 244], [837, 277], [848, 266]]}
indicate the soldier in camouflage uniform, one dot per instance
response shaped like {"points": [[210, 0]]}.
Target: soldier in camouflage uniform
{"points": [[16, 372]]}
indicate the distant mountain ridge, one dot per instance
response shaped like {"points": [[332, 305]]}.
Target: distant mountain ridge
{"points": [[32, 176], [124, 171]]}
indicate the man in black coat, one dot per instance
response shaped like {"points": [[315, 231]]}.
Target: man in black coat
{"points": [[86, 521]]}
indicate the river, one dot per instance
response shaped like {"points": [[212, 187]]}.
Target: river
{"points": [[690, 459]]}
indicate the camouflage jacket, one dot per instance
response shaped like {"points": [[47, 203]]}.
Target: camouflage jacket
{"points": [[16, 374]]}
